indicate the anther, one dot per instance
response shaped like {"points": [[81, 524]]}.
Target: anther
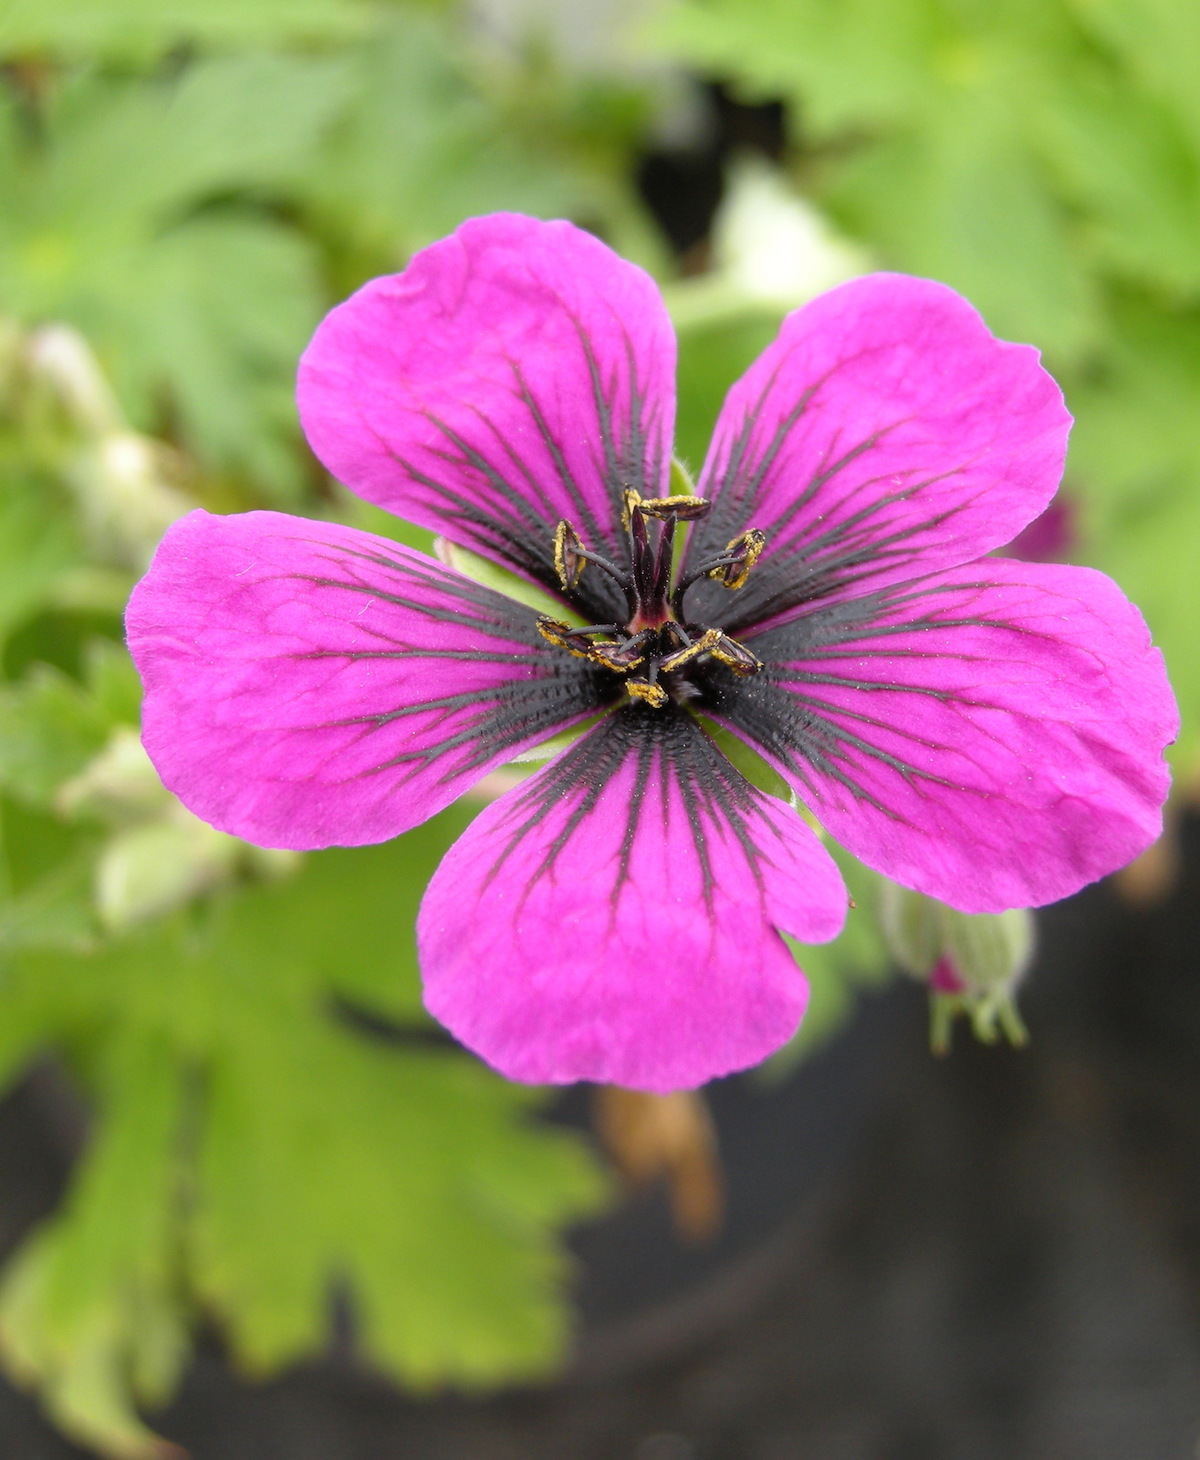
{"points": [[675, 509], [642, 689], [563, 636], [735, 656], [569, 559], [619, 657], [733, 566], [705, 644]]}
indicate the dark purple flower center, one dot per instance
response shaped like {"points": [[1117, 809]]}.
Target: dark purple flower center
{"points": [[657, 646]]}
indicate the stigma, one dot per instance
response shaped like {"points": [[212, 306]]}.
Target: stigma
{"points": [[656, 646]]}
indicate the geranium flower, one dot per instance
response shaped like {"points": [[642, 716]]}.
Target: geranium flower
{"points": [[985, 730]]}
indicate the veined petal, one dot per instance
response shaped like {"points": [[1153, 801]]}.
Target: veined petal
{"points": [[991, 736], [310, 685], [884, 434], [616, 917], [515, 374]]}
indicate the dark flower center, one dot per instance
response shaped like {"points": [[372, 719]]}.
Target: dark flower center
{"points": [[657, 644]]}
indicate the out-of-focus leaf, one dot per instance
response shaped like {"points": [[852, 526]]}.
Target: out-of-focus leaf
{"points": [[141, 29], [49, 729], [319, 1156], [55, 911], [113, 682], [207, 311], [1160, 39], [854, 62], [966, 199], [431, 1206], [1136, 451], [1124, 160], [90, 1308], [226, 307], [124, 158], [417, 148], [937, 110], [36, 546]]}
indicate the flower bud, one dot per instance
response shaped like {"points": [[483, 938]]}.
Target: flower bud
{"points": [[989, 951], [118, 785], [159, 865], [912, 928], [972, 962]]}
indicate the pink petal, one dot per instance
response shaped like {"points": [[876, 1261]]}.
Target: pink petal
{"points": [[310, 685], [516, 373], [991, 736], [615, 918], [884, 434]]}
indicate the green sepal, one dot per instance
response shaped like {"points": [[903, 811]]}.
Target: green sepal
{"points": [[992, 1015]]}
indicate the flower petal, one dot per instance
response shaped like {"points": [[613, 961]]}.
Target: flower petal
{"points": [[991, 736], [615, 918], [884, 434], [310, 685], [515, 374]]}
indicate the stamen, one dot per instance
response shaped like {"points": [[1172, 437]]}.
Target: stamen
{"points": [[655, 635], [739, 557]]}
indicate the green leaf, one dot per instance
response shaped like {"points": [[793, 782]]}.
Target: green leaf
{"points": [[54, 911], [1126, 162], [1137, 455], [89, 1309], [940, 162], [311, 1156], [224, 309], [207, 310], [418, 147], [49, 729], [142, 29], [37, 545], [855, 62], [1160, 42], [966, 200], [431, 1206]]}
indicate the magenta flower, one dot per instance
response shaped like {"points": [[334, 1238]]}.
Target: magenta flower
{"points": [[985, 730]]}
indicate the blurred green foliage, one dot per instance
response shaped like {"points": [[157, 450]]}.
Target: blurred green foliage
{"points": [[185, 186]]}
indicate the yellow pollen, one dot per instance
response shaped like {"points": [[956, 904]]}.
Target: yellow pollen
{"points": [[641, 689]]}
